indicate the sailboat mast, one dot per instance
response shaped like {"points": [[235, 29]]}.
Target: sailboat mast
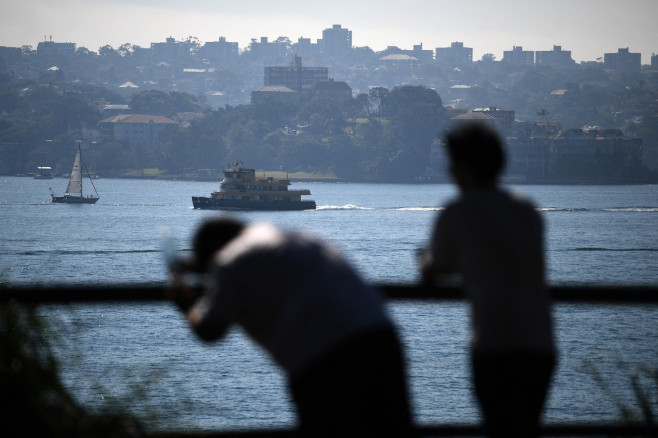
{"points": [[80, 152], [91, 180]]}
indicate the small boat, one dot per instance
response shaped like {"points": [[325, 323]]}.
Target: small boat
{"points": [[73, 193], [44, 172], [241, 189]]}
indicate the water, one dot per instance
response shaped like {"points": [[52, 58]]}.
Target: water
{"points": [[595, 235]]}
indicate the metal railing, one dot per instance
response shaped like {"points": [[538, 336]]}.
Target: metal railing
{"points": [[36, 295]]}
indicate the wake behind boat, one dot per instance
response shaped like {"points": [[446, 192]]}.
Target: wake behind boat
{"points": [[73, 193], [242, 190]]}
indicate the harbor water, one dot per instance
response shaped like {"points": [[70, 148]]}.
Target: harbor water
{"points": [[144, 355]]}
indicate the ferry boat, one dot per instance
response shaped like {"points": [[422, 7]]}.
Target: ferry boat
{"points": [[241, 189], [44, 172]]}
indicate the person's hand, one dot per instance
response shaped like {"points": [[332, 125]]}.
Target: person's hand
{"points": [[180, 293], [427, 270]]}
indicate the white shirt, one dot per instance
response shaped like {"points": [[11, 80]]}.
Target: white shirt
{"points": [[294, 295]]}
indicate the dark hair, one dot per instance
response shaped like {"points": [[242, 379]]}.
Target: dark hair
{"points": [[478, 147], [211, 236]]}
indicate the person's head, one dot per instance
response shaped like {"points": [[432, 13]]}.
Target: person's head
{"points": [[210, 237], [476, 153]]}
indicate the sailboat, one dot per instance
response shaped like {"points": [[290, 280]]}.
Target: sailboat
{"points": [[73, 193]]}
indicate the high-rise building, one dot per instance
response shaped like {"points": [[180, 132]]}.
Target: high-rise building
{"points": [[220, 50], [518, 56], [336, 42], [52, 48], [296, 77], [556, 57], [623, 60], [171, 51], [306, 49], [455, 56]]}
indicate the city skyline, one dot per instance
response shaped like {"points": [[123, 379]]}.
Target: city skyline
{"points": [[587, 28]]}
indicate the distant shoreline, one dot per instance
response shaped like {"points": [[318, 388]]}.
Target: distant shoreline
{"points": [[653, 179]]}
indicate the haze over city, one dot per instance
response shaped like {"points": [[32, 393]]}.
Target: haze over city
{"points": [[588, 28]]}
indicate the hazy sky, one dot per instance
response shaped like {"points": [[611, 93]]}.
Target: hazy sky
{"points": [[589, 28]]}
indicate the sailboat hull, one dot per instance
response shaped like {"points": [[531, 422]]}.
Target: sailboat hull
{"points": [[75, 199]]}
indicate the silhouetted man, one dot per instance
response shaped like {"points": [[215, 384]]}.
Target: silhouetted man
{"points": [[494, 239], [329, 331]]}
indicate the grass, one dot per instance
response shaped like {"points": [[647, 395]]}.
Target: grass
{"points": [[297, 175], [34, 400], [643, 381], [149, 172]]}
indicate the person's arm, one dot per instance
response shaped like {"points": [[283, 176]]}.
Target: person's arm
{"points": [[431, 272], [193, 305], [205, 326], [438, 262], [181, 294]]}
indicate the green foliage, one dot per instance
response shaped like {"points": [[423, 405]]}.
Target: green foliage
{"points": [[416, 117], [377, 96], [34, 401], [641, 379], [158, 102], [109, 156], [392, 142]]}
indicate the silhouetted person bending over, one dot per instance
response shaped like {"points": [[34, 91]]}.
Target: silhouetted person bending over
{"points": [[494, 239], [298, 298]]}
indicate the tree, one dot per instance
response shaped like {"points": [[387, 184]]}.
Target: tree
{"points": [[377, 96], [227, 81], [344, 158], [70, 113], [285, 45], [184, 102], [325, 118], [192, 44], [416, 117], [362, 103], [111, 155], [542, 113], [107, 51], [125, 50], [84, 52], [160, 103]]}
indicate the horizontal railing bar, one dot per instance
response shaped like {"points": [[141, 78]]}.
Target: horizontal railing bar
{"points": [[552, 430], [63, 293], [595, 294]]}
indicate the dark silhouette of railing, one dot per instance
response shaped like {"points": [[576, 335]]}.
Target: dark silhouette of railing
{"points": [[641, 295]]}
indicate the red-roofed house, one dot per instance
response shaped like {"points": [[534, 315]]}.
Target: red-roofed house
{"points": [[135, 129]]}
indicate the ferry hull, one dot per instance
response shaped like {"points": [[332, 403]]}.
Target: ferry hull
{"points": [[204, 203]]}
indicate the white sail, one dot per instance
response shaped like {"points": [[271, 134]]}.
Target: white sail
{"points": [[75, 181]]}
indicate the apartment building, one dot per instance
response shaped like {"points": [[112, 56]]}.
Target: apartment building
{"points": [[455, 56], [52, 48], [136, 130], [219, 51], [623, 60], [296, 77], [556, 57], [518, 56], [336, 42]]}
